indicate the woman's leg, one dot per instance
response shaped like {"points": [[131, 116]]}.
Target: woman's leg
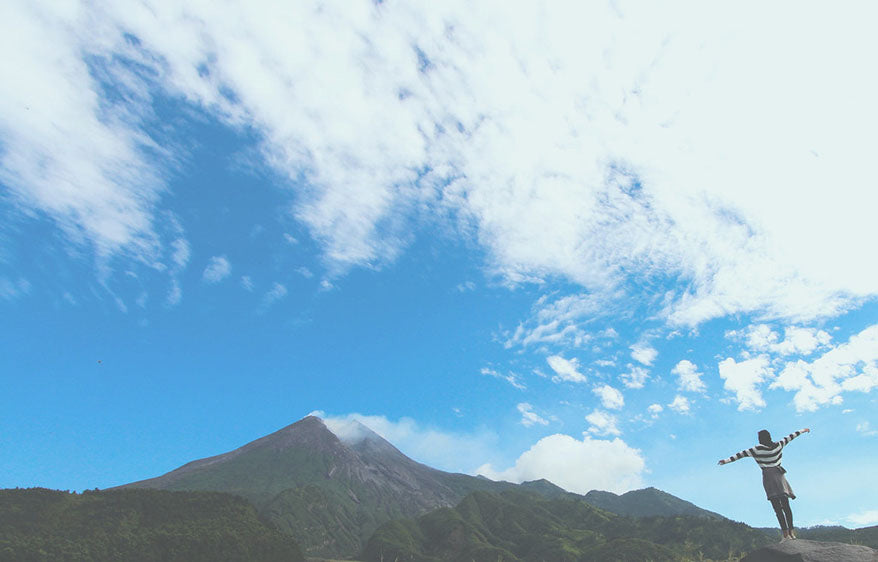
{"points": [[785, 505], [777, 504]]}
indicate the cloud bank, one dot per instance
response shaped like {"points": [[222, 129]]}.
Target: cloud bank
{"points": [[576, 465], [592, 143]]}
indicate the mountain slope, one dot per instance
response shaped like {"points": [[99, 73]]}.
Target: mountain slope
{"points": [[40, 524], [522, 526], [328, 493], [648, 502]]}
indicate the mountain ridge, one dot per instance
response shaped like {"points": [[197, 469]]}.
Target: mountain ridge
{"points": [[332, 487]]}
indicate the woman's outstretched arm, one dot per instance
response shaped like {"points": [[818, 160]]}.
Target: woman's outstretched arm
{"points": [[792, 436], [736, 456]]}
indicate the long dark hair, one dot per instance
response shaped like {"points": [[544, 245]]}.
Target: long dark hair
{"points": [[765, 439]]}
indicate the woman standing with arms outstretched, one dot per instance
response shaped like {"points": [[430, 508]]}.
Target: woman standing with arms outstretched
{"points": [[767, 455]]}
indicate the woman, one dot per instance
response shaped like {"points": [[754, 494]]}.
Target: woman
{"points": [[767, 455]]}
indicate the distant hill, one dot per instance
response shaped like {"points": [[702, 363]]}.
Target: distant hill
{"points": [[647, 502], [147, 525], [867, 536], [329, 493], [521, 526]]}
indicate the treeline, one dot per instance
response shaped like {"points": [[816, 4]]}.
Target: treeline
{"points": [[867, 536], [520, 526], [40, 525]]}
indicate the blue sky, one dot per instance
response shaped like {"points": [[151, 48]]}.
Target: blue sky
{"points": [[601, 245]]}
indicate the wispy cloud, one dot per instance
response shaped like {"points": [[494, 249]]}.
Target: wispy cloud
{"points": [[863, 518], [560, 322], [13, 289], [565, 369], [511, 378], [529, 417], [175, 294], [634, 184], [218, 268], [866, 429], [275, 294], [81, 157]]}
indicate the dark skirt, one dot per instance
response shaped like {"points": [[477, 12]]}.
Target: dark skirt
{"points": [[775, 483]]}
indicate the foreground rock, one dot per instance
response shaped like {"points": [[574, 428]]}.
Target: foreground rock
{"points": [[812, 551]]}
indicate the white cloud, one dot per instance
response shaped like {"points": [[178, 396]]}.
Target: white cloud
{"points": [[247, 283], [180, 253], [466, 287], [603, 423], [680, 404], [655, 409], [797, 340], [14, 289], [610, 397], [559, 322], [578, 141], [441, 449], [276, 293], [566, 369], [688, 377], [848, 367], [528, 416], [643, 353], [68, 150], [175, 294], [577, 466], [866, 429], [864, 519], [511, 378], [218, 268], [744, 380], [635, 377]]}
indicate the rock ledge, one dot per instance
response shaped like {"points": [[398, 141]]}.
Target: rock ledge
{"points": [[812, 551]]}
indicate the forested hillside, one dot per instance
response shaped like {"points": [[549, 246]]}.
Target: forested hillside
{"points": [[40, 524], [521, 526]]}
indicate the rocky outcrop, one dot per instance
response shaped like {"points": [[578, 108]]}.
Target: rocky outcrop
{"points": [[812, 551]]}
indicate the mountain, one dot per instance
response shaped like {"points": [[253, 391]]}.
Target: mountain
{"points": [[516, 525], [40, 524], [647, 502], [329, 490]]}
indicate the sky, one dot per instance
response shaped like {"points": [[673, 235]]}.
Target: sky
{"points": [[601, 243]]}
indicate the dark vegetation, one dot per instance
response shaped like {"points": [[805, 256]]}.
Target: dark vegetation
{"points": [[517, 525], [41, 524], [867, 536]]}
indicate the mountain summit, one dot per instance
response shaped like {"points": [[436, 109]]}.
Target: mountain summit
{"points": [[330, 489]]}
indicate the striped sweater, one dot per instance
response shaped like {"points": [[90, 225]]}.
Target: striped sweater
{"points": [[766, 457]]}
